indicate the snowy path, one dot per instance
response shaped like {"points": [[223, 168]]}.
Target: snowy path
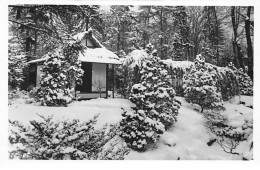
{"points": [[187, 140]]}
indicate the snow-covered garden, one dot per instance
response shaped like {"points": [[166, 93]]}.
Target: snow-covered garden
{"points": [[187, 140], [153, 123], [146, 95]]}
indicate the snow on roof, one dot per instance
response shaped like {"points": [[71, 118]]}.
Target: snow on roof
{"points": [[37, 60], [80, 35], [88, 34], [95, 55], [135, 58], [99, 55], [177, 64]]}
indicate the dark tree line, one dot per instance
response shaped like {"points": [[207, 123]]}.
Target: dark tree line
{"points": [[221, 34]]}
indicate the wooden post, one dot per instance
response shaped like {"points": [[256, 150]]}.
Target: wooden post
{"points": [[113, 77], [107, 65]]}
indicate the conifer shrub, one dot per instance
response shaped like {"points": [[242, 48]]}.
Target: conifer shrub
{"points": [[235, 82], [61, 72], [16, 67], [52, 90], [47, 139], [155, 108], [200, 86], [228, 82]]}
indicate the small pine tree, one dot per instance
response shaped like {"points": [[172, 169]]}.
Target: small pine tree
{"points": [[53, 91], [155, 108], [200, 85], [61, 72]]}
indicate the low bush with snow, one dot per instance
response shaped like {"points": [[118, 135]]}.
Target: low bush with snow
{"points": [[73, 140], [155, 108], [16, 68], [200, 86], [229, 136], [245, 82]]}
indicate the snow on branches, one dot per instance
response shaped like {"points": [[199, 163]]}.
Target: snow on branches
{"points": [[61, 72], [155, 108], [200, 85], [74, 140]]}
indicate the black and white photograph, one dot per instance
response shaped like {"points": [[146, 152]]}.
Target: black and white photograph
{"points": [[130, 81]]}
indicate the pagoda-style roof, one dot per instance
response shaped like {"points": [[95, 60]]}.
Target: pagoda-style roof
{"points": [[95, 54]]}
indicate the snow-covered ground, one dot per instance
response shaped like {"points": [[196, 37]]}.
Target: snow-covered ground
{"points": [[187, 140]]}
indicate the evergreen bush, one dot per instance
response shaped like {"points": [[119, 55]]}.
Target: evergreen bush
{"points": [[74, 140], [155, 108], [200, 85]]}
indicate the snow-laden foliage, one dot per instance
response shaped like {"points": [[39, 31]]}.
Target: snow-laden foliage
{"points": [[229, 136], [176, 70], [72, 65], [61, 72], [74, 140], [200, 85], [228, 82], [128, 73], [155, 108], [16, 66], [135, 58], [245, 82], [16, 63], [53, 90]]}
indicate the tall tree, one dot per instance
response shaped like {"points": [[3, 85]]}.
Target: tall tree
{"points": [[236, 45], [249, 43]]}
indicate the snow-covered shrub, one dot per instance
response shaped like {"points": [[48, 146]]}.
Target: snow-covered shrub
{"points": [[244, 81], [228, 82], [128, 73], [155, 108], [200, 85], [72, 65], [16, 66], [177, 70], [228, 136], [61, 72], [53, 90], [46, 139]]}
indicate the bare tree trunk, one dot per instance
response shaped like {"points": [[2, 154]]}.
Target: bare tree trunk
{"points": [[249, 44], [217, 32], [237, 46], [161, 38]]}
